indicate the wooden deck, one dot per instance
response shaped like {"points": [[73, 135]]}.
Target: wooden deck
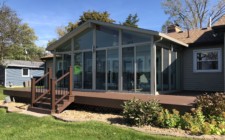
{"points": [[114, 99]]}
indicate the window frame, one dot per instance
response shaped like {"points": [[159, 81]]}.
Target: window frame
{"points": [[219, 51], [28, 74]]}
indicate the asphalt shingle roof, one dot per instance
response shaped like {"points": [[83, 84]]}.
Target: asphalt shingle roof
{"points": [[22, 63], [196, 36]]}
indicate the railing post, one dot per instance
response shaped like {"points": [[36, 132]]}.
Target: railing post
{"points": [[33, 90], [53, 81], [71, 80]]}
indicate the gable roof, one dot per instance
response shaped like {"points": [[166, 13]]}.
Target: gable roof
{"points": [[89, 24], [22, 63], [199, 36]]}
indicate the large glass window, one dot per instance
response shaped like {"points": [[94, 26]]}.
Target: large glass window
{"points": [[128, 68], [159, 68], [173, 74], [143, 60], [65, 47], [87, 70], [100, 69], [112, 69], [84, 40], [63, 63], [165, 69], [129, 37], [106, 37], [77, 70], [207, 60]]}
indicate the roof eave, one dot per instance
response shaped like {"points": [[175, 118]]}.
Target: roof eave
{"points": [[173, 40]]}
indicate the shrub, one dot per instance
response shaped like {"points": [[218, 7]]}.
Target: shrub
{"points": [[139, 113], [194, 121], [166, 119], [211, 105]]}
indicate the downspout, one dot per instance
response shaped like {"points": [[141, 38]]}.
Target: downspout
{"points": [[153, 67]]}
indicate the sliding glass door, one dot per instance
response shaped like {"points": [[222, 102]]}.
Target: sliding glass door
{"points": [[101, 70], [87, 82], [128, 69], [112, 69]]}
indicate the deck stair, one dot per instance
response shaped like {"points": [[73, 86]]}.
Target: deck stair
{"points": [[51, 95]]}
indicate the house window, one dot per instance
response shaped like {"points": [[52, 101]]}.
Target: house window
{"points": [[25, 72], [207, 60]]}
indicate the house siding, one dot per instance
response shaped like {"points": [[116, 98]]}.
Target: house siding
{"points": [[14, 75], [205, 81]]}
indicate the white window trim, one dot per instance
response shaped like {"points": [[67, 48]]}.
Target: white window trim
{"points": [[25, 75], [219, 50]]}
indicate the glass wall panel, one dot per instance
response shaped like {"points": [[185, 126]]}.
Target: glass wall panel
{"points": [[84, 40], [165, 69], [106, 37], [65, 47], [173, 70], [112, 69], [77, 70], [159, 69], [143, 62], [128, 68], [100, 70], [63, 63], [87, 70], [129, 37]]}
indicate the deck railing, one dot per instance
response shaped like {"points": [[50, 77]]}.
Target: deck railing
{"points": [[40, 87], [61, 88]]}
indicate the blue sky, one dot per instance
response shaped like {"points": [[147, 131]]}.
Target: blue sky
{"points": [[45, 15]]}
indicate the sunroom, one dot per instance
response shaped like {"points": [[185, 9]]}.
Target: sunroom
{"points": [[114, 58]]}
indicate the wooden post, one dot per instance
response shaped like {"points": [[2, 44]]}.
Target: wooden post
{"points": [[71, 80], [53, 81], [32, 91]]}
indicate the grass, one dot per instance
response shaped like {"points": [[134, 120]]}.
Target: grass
{"points": [[17, 126], [1, 93]]}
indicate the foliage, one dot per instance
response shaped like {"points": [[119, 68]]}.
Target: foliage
{"points": [[166, 119], [139, 113], [193, 122], [15, 35], [2, 96], [90, 15], [191, 14], [131, 21], [17, 126], [211, 105]]}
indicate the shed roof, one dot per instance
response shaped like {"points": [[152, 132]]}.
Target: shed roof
{"points": [[22, 63]]}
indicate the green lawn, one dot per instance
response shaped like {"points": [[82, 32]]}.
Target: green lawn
{"points": [[1, 93], [15, 126]]}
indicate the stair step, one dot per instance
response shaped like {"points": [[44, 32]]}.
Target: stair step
{"points": [[46, 105], [39, 110]]}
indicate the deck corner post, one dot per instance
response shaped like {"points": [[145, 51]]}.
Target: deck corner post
{"points": [[53, 82], [32, 91]]}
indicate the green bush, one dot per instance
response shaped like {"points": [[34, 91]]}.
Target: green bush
{"points": [[212, 105], [139, 113], [166, 119], [194, 121]]}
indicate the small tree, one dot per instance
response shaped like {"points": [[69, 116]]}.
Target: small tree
{"points": [[131, 21]]}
